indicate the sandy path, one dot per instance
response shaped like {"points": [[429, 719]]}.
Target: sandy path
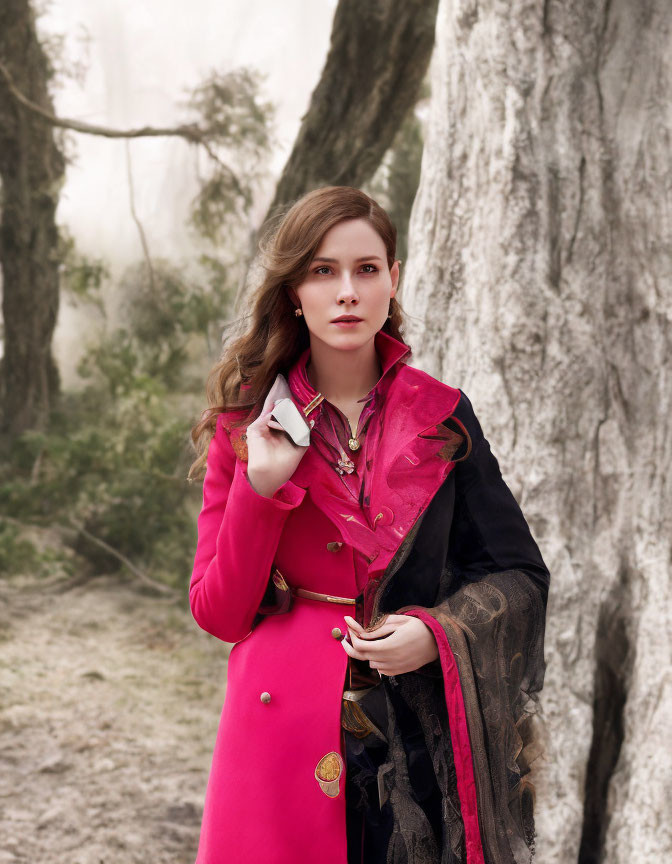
{"points": [[109, 705]]}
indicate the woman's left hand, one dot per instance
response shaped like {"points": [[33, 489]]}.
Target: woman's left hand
{"points": [[408, 644]]}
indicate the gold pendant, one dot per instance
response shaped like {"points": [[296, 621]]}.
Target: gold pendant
{"points": [[353, 444]]}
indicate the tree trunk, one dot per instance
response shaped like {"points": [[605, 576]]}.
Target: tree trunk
{"points": [[31, 169], [372, 77], [541, 240], [378, 58]]}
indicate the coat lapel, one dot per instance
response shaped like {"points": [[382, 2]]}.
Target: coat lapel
{"points": [[413, 456], [415, 451]]}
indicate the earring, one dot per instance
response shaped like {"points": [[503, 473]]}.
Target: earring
{"points": [[298, 311]]}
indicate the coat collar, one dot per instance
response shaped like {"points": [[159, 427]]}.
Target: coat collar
{"points": [[389, 349], [413, 456]]}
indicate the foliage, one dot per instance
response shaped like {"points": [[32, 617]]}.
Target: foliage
{"points": [[237, 136], [20, 556], [81, 278], [116, 454], [15, 553], [114, 460]]}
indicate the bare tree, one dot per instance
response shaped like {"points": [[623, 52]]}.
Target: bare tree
{"points": [[541, 240]]}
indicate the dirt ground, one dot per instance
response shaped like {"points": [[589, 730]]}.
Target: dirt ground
{"points": [[109, 704]]}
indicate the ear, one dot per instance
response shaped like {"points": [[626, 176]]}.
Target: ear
{"points": [[394, 276], [291, 293]]}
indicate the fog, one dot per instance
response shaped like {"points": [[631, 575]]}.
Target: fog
{"points": [[138, 60]]}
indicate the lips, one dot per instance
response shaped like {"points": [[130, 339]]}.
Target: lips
{"points": [[346, 318]]}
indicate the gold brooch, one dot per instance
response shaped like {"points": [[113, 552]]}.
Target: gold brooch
{"points": [[328, 772]]}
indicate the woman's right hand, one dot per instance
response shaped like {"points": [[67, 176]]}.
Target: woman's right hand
{"points": [[272, 457]]}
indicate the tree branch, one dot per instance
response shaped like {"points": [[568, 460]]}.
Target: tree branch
{"points": [[143, 577], [191, 132], [136, 219]]}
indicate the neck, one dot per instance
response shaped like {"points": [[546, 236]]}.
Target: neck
{"points": [[343, 376]]}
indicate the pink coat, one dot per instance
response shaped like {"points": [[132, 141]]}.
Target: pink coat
{"points": [[263, 802]]}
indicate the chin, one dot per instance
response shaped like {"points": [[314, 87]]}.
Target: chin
{"points": [[346, 340]]}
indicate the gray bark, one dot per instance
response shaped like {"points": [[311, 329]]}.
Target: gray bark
{"points": [[539, 278]]}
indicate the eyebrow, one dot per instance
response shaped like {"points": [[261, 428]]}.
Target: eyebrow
{"points": [[357, 260]]}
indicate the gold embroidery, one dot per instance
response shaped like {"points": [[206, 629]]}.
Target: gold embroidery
{"points": [[328, 771], [238, 440]]}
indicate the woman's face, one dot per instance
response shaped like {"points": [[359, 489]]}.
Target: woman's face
{"points": [[348, 276]]}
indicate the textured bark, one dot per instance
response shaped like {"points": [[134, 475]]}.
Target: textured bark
{"points": [[378, 58], [31, 168], [539, 277]]}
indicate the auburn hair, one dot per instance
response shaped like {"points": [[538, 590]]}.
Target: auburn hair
{"points": [[276, 336]]}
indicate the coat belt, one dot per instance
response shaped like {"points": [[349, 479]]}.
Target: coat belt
{"points": [[281, 583], [327, 598]]}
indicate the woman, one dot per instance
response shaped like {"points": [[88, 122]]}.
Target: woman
{"points": [[381, 585]]}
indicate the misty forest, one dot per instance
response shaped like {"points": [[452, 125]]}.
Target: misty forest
{"points": [[524, 152]]}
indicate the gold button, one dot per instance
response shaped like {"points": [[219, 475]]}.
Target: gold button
{"points": [[265, 697], [334, 546], [337, 632]]}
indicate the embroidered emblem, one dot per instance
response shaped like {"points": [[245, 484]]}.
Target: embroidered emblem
{"points": [[328, 771], [238, 439]]}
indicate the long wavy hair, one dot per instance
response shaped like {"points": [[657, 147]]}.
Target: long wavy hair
{"points": [[276, 336]]}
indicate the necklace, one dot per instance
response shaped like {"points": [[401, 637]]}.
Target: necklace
{"points": [[353, 441]]}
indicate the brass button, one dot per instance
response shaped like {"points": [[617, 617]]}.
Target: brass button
{"points": [[337, 632], [334, 545], [265, 697]]}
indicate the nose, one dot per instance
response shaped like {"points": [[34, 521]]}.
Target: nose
{"points": [[346, 291]]}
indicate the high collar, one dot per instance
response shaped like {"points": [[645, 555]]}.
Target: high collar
{"points": [[389, 350]]}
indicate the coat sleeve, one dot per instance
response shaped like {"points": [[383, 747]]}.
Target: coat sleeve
{"points": [[489, 532], [238, 535]]}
